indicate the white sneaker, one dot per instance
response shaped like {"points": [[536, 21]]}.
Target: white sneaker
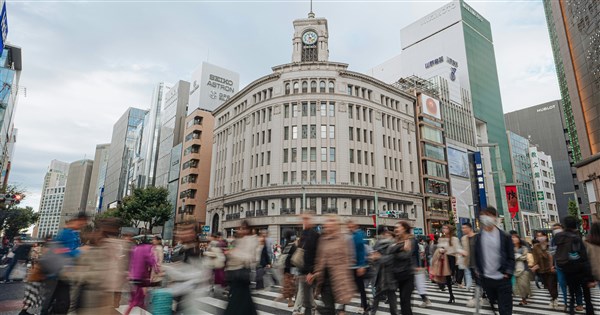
{"points": [[471, 303], [485, 302], [425, 303], [553, 304]]}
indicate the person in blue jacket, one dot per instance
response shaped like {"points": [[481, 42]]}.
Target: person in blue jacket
{"points": [[361, 265]]}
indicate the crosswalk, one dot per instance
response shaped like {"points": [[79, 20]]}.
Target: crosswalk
{"points": [[266, 304]]}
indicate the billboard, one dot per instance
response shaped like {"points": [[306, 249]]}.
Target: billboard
{"points": [[3, 26], [512, 200], [458, 162], [430, 106], [480, 180], [211, 86]]}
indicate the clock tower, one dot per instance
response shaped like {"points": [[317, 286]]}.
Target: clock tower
{"points": [[310, 43]]}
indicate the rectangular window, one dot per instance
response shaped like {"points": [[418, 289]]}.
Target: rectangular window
{"points": [[359, 157], [357, 134], [350, 109], [434, 152], [331, 132], [350, 133], [434, 169], [294, 132], [351, 155], [268, 157], [286, 133], [304, 131], [313, 131], [323, 109], [332, 177], [304, 154], [294, 110], [313, 109], [323, 131], [332, 154], [304, 109], [432, 134], [323, 177], [294, 154], [304, 177], [269, 136], [313, 177], [323, 154], [331, 109], [313, 154], [293, 178], [351, 178]]}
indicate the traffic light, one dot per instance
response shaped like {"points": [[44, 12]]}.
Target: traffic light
{"points": [[17, 198]]}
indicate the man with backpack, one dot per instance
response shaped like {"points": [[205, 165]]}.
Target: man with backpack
{"points": [[571, 258]]}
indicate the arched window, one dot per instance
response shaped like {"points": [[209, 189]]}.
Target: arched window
{"points": [[313, 87], [304, 87], [296, 87], [287, 88], [322, 86], [331, 86]]}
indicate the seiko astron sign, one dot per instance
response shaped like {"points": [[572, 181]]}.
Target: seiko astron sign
{"points": [[211, 86]]}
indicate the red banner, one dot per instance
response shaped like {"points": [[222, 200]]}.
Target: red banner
{"points": [[512, 200], [585, 222]]}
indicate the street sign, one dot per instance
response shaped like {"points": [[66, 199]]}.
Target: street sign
{"points": [[205, 228], [418, 231]]}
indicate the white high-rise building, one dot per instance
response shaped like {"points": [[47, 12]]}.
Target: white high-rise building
{"points": [[543, 177], [51, 202]]}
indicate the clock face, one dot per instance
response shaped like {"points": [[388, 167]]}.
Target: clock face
{"points": [[309, 38]]}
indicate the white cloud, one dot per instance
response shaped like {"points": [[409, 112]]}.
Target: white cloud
{"points": [[85, 63]]}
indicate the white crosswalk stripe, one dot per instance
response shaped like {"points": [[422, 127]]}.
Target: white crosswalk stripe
{"points": [[538, 303]]}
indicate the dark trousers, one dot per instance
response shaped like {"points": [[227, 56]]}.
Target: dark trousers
{"points": [[260, 276], [9, 269], [240, 301], [406, 285], [575, 282], [327, 298], [499, 293], [360, 285], [57, 297], [391, 297], [550, 282]]}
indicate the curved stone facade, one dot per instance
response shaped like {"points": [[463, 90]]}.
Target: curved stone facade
{"points": [[317, 132]]}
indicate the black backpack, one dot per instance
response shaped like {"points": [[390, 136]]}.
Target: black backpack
{"points": [[570, 253]]}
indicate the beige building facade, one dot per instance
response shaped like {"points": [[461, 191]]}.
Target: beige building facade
{"points": [[76, 189], [194, 177], [314, 136]]}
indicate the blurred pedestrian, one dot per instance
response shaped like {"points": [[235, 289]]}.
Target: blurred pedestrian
{"points": [[289, 280], [445, 258], [560, 275], [118, 252], [332, 272], [495, 261], [264, 261], [156, 278], [401, 253], [33, 284], [142, 263], [360, 267], [571, 257], [20, 255], [239, 261], [56, 264], [385, 283], [466, 243], [418, 255], [592, 245], [307, 251], [523, 283], [544, 266]]}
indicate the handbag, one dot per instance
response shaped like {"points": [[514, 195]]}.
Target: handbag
{"points": [[53, 261], [298, 258]]}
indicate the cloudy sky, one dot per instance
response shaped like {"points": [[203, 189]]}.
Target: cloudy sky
{"points": [[85, 63]]}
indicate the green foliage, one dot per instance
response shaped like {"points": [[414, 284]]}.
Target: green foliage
{"points": [[573, 210], [16, 219], [148, 206]]}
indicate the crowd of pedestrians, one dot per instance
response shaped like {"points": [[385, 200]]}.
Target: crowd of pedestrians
{"points": [[319, 270]]}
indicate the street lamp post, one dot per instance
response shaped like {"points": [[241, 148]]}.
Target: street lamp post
{"points": [[501, 179]]}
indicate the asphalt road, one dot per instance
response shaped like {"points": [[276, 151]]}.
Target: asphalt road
{"points": [[11, 296]]}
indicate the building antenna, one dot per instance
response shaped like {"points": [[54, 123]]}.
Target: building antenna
{"points": [[311, 14]]}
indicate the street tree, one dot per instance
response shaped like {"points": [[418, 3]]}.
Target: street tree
{"points": [[16, 219], [573, 210], [148, 207]]}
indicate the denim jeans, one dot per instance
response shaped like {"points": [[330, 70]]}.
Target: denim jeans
{"points": [[468, 278], [562, 283]]}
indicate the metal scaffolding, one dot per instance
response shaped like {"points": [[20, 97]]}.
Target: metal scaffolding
{"points": [[414, 84]]}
